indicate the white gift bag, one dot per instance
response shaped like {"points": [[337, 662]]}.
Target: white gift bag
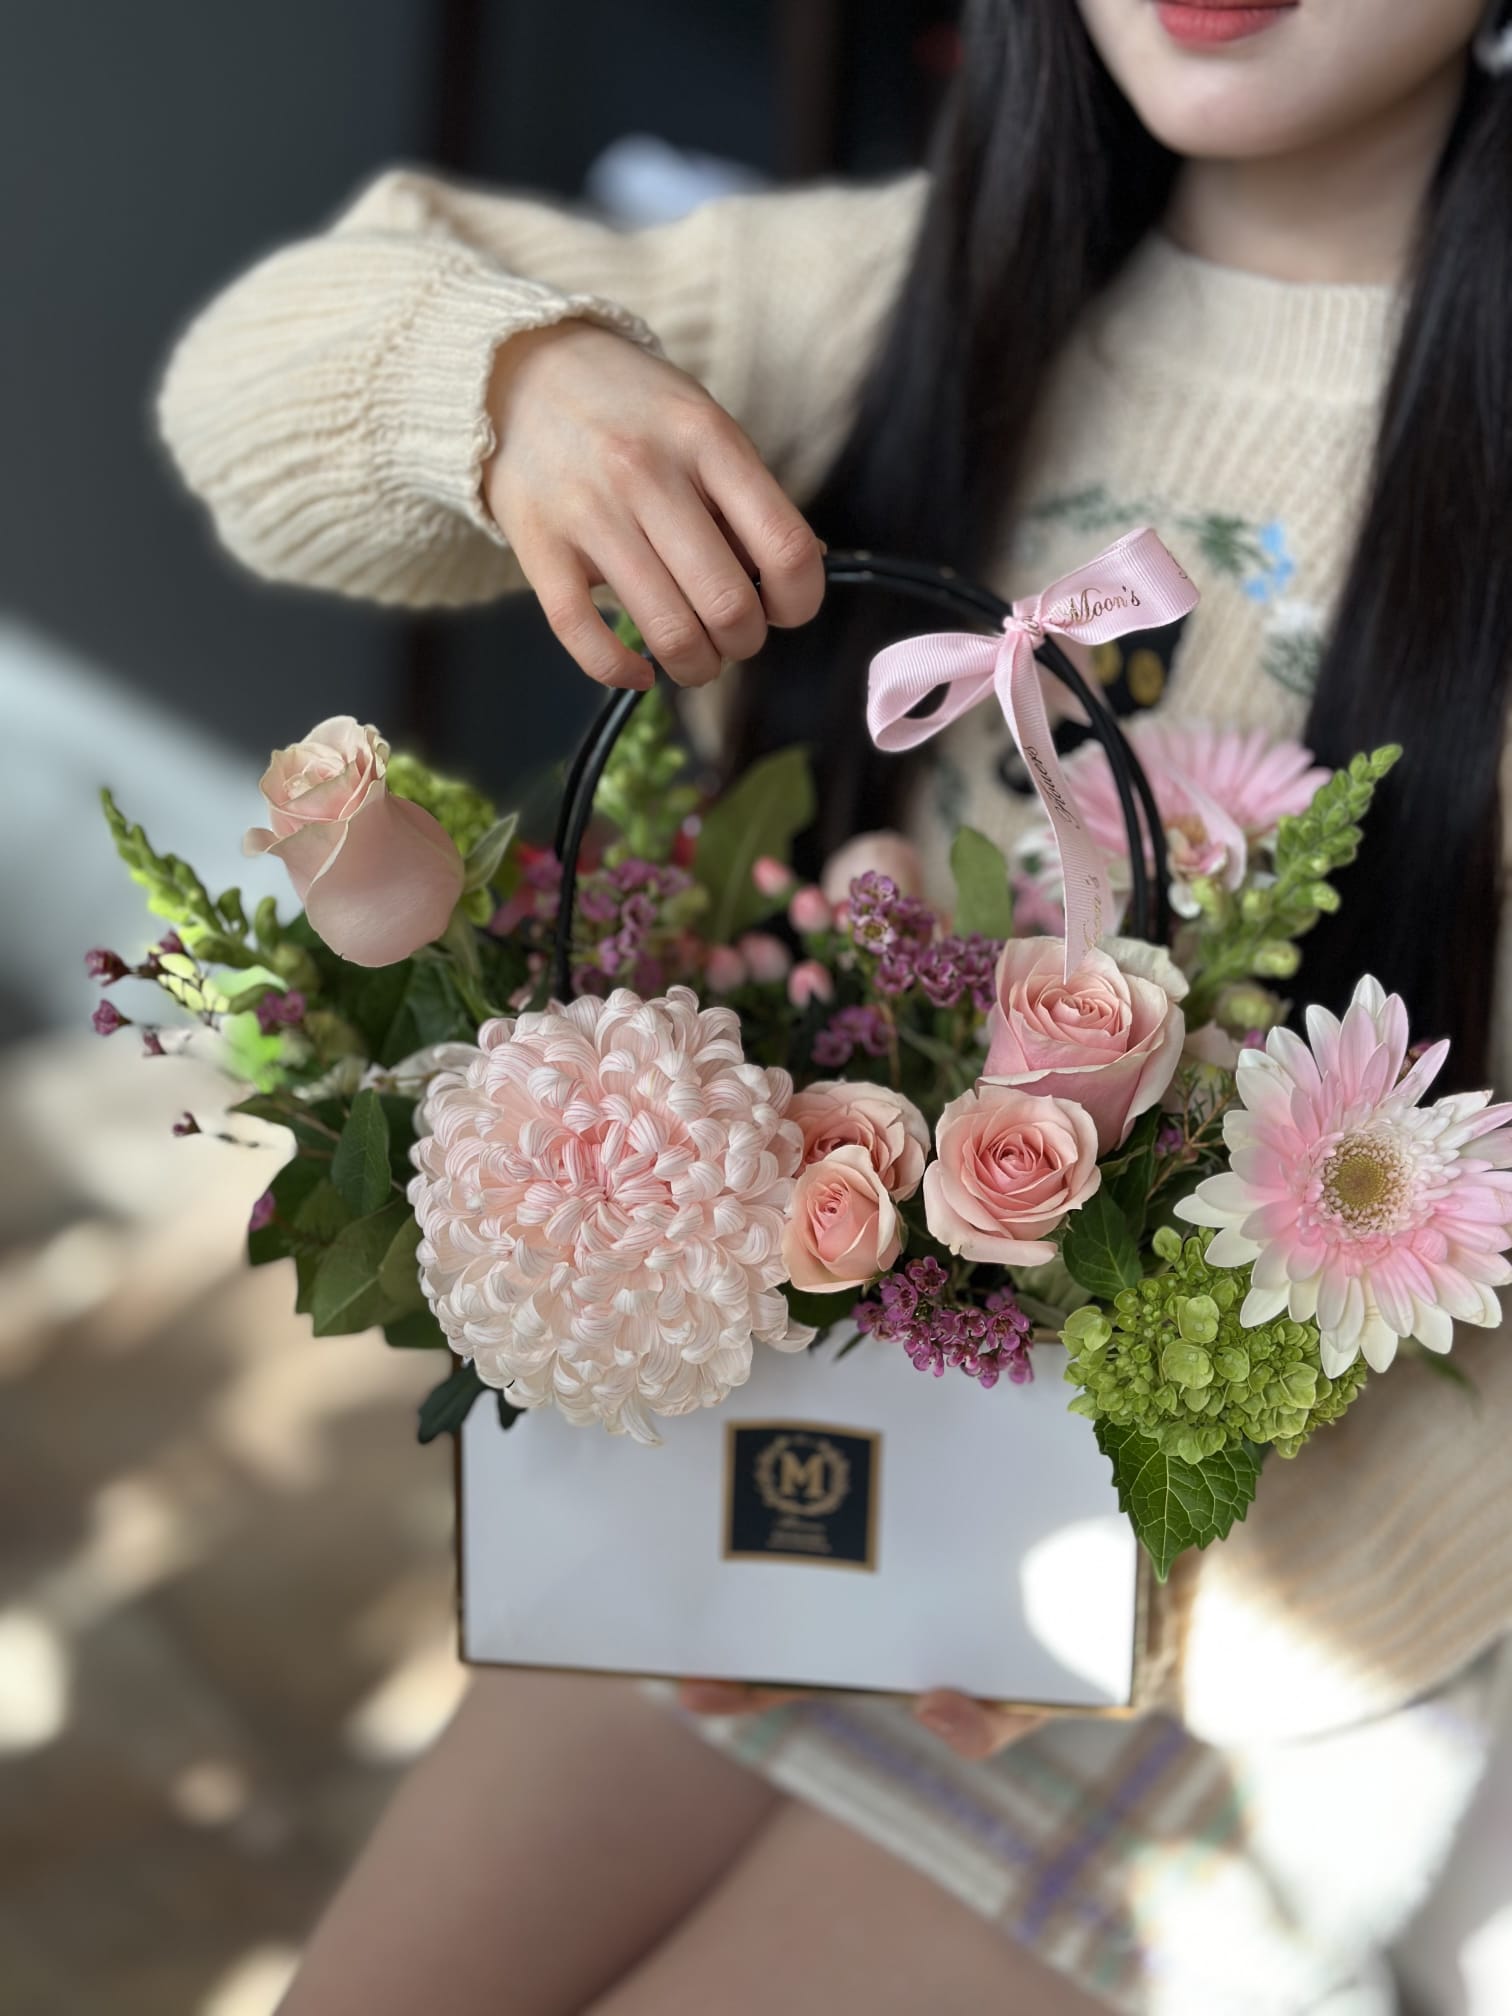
{"points": [[835, 1523]]}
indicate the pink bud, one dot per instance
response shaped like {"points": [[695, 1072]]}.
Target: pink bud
{"points": [[105, 966], [768, 959], [772, 877], [809, 981], [810, 911], [724, 969], [186, 1124], [107, 1018], [263, 1212]]}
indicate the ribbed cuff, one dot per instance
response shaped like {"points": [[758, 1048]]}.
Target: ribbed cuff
{"points": [[428, 411]]}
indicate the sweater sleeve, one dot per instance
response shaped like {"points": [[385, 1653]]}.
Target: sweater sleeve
{"points": [[328, 407]]}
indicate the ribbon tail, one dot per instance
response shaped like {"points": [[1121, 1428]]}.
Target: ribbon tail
{"points": [[1089, 894]]}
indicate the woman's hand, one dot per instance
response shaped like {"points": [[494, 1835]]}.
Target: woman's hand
{"points": [[614, 467], [973, 1729]]}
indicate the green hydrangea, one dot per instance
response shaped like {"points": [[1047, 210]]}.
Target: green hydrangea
{"points": [[1172, 1360], [464, 812]]}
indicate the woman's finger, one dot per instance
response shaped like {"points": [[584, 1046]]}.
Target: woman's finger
{"points": [[731, 1697], [674, 635], [698, 555], [973, 1729], [771, 528], [560, 581]]}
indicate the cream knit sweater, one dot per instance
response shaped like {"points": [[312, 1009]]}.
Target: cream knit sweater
{"points": [[329, 409]]}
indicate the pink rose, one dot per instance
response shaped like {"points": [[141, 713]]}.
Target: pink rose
{"points": [[1110, 1037], [881, 853], [378, 877], [1009, 1168], [889, 1129], [842, 1229]]}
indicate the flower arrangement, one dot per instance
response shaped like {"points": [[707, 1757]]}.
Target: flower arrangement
{"points": [[771, 1113]]}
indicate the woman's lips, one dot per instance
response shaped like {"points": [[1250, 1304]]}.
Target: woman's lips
{"points": [[1217, 21]]}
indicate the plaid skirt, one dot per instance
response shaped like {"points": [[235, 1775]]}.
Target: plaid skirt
{"points": [[1165, 1877]]}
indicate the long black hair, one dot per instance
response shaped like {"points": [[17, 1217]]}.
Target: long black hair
{"points": [[1044, 181]]}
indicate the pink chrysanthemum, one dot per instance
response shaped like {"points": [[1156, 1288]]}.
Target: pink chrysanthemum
{"points": [[1377, 1217], [602, 1192], [1219, 792]]}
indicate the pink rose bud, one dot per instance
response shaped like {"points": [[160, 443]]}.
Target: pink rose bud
{"points": [[107, 1018], [809, 981], [378, 877], [724, 969], [842, 1227], [772, 877], [768, 959], [889, 1130], [810, 910], [874, 854]]}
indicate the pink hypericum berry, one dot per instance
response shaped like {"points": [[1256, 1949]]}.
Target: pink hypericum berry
{"points": [[772, 877], [810, 911], [809, 981], [767, 958]]}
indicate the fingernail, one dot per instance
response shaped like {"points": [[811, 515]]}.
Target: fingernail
{"points": [[957, 1723], [712, 1697]]}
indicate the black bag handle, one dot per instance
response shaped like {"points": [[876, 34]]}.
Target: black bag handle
{"points": [[1149, 904]]}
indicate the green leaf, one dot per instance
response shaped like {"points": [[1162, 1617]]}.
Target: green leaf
{"points": [[318, 1223], [347, 1295], [290, 1187], [1174, 1505], [765, 811], [399, 1271], [984, 901], [431, 1010], [508, 1412], [418, 1331], [1099, 1249], [820, 1312], [360, 1168], [1128, 1176], [486, 855], [316, 1126], [446, 1407]]}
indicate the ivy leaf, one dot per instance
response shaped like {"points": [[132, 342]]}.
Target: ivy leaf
{"points": [[1174, 1505], [446, 1407], [399, 1271], [984, 901], [346, 1294], [1099, 1250], [360, 1166], [1127, 1179], [418, 1331], [762, 814], [485, 856]]}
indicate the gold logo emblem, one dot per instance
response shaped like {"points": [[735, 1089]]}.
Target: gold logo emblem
{"points": [[806, 1490], [803, 1476]]}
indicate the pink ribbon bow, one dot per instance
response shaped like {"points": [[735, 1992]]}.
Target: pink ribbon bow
{"points": [[1134, 585]]}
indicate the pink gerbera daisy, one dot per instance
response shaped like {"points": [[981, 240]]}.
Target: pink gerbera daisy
{"points": [[1359, 1208], [1219, 791]]}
